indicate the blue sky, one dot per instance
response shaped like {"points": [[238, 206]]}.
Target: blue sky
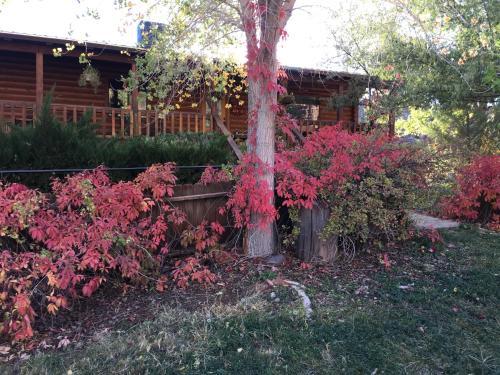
{"points": [[307, 46]]}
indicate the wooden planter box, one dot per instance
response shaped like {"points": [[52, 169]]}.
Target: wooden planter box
{"points": [[200, 204], [310, 246]]}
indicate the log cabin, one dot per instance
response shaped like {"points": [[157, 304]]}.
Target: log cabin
{"points": [[29, 70]]}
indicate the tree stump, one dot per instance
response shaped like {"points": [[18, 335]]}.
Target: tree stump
{"points": [[310, 245]]}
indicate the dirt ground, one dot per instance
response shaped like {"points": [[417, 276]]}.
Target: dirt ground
{"points": [[119, 307]]}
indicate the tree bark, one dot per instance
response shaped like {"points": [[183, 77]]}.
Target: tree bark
{"points": [[261, 241], [262, 100], [392, 123]]}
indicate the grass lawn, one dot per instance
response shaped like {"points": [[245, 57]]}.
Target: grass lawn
{"points": [[433, 313]]}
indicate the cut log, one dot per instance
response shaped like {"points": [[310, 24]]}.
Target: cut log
{"points": [[310, 245]]}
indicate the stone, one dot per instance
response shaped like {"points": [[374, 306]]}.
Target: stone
{"points": [[429, 222], [275, 260]]}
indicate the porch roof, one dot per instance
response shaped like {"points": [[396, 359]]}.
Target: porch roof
{"points": [[49, 40]]}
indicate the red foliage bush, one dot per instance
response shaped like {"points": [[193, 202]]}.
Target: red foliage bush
{"points": [[366, 181], [69, 242], [211, 175], [251, 194], [329, 158], [476, 196]]}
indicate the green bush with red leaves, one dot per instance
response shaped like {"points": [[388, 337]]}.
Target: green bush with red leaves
{"points": [[66, 244], [368, 182], [476, 195]]}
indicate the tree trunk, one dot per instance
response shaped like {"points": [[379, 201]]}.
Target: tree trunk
{"points": [[261, 241], [263, 29], [392, 123]]}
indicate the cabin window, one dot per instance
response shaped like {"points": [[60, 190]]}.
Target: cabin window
{"points": [[113, 98], [304, 108], [311, 111], [118, 97], [362, 118]]}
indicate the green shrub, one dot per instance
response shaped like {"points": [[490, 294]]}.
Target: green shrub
{"points": [[186, 149], [50, 144], [367, 183], [371, 210]]}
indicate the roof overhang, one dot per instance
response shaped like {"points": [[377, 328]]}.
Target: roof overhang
{"points": [[18, 42], [322, 73], [123, 53], [48, 40]]}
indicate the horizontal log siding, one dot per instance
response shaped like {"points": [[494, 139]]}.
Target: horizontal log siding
{"points": [[17, 76], [18, 83], [63, 74], [323, 90], [238, 115]]}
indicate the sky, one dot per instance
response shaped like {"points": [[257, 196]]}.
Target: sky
{"points": [[307, 46]]}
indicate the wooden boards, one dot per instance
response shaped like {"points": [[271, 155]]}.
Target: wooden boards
{"points": [[310, 244]]}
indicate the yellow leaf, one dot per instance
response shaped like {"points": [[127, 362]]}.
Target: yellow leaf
{"points": [[51, 279], [52, 309]]}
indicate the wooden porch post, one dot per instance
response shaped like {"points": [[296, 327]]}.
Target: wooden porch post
{"points": [[39, 80], [203, 114], [228, 118], [223, 111], [339, 109], [357, 125], [135, 105]]}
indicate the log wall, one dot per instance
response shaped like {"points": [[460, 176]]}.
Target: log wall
{"points": [[322, 90], [17, 76], [18, 85], [18, 79], [63, 73]]}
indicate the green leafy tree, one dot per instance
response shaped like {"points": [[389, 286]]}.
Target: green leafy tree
{"points": [[443, 55]]}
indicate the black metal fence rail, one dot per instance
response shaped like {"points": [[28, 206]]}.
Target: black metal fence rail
{"points": [[78, 170]]}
